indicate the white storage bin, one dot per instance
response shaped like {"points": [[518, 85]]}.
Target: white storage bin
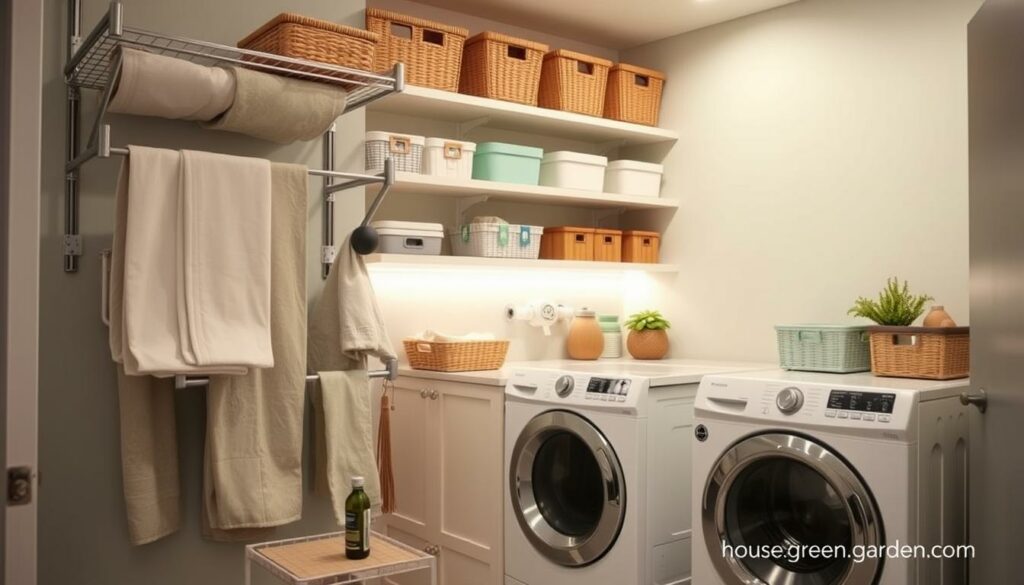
{"points": [[405, 149], [632, 177], [448, 158], [497, 240], [409, 237], [573, 170]]}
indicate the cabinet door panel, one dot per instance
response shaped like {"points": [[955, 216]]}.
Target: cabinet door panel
{"points": [[458, 569], [410, 445], [416, 577]]}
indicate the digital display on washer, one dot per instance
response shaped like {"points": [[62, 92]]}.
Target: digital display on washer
{"points": [[608, 386], [862, 401]]}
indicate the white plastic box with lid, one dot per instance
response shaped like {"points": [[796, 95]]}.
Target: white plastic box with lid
{"points": [[448, 158], [406, 150], [409, 237], [573, 170], [633, 177]]}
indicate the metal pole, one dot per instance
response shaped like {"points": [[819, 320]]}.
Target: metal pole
{"points": [[327, 248], [72, 240]]}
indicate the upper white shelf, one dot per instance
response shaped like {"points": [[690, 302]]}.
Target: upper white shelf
{"points": [[456, 107], [405, 261], [449, 187]]}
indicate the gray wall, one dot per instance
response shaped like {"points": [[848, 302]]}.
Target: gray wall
{"points": [[83, 535]]}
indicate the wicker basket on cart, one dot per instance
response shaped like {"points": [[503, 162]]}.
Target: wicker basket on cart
{"points": [[502, 67], [431, 51], [634, 94], [455, 356], [934, 353], [573, 82], [302, 37]]}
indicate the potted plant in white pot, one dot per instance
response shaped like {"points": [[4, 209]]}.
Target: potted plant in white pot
{"points": [[900, 350], [648, 335]]}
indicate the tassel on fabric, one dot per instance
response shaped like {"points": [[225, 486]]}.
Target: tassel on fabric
{"points": [[387, 475]]}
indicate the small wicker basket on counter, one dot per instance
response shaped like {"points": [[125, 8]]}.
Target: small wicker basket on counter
{"points": [[302, 37], [934, 353], [431, 51], [502, 67], [455, 356]]}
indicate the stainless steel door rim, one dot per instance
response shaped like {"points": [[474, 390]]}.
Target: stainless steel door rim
{"points": [[571, 550], [864, 520]]}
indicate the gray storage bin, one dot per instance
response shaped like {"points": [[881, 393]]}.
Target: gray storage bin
{"points": [[407, 237]]}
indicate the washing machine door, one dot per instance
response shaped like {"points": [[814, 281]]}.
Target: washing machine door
{"points": [[788, 491], [567, 488]]}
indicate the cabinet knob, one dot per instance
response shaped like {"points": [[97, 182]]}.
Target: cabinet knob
{"points": [[423, 393], [433, 394], [432, 549]]}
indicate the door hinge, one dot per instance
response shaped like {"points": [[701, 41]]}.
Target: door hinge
{"points": [[19, 486]]}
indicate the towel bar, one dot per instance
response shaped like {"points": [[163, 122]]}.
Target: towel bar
{"points": [[390, 373]]}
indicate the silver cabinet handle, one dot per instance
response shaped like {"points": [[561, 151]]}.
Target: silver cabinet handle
{"points": [[433, 394], [424, 393], [979, 399]]}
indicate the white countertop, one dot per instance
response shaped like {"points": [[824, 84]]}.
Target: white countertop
{"points": [[661, 372]]}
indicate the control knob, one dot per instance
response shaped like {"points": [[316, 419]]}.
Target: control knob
{"points": [[789, 400], [564, 385]]}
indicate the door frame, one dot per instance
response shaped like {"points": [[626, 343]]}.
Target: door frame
{"points": [[21, 85]]}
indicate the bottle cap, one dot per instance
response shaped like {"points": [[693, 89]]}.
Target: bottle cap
{"points": [[585, 312], [358, 481]]}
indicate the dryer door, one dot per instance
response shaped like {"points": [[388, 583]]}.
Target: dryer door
{"points": [[773, 497], [567, 488]]}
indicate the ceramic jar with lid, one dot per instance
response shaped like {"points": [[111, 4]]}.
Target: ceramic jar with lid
{"points": [[586, 340]]}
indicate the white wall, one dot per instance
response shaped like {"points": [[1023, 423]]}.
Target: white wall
{"points": [[824, 148]]}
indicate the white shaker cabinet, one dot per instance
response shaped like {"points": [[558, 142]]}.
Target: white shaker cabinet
{"points": [[446, 440]]}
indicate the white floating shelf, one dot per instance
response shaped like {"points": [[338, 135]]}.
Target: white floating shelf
{"points": [[438, 104], [449, 187], [474, 262]]}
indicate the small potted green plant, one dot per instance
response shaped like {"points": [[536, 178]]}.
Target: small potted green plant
{"points": [[900, 350], [648, 335]]}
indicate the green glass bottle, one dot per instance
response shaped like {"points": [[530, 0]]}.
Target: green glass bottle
{"points": [[357, 521]]}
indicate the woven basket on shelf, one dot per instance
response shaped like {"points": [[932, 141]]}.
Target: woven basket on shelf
{"points": [[431, 51], [634, 94], [573, 82], [455, 356], [502, 67], [934, 353], [302, 37]]}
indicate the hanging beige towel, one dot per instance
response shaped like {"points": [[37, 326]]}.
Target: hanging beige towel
{"points": [[280, 109], [149, 456], [343, 422], [223, 268], [253, 469], [148, 260], [157, 85]]}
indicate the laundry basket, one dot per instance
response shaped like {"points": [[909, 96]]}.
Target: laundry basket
{"points": [[502, 67], [302, 37], [573, 82], [455, 356], [431, 51], [823, 348], [931, 353], [497, 240], [634, 94]]}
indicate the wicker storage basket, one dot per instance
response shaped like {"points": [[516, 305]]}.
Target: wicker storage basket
{"points": [[640, 246], [502, 67], [302, 37], [634, 94], [607, 245], [497, 240], [934, 353], [567, 243], [455, 356], [824, 348], [573, 82], [431, 51]]}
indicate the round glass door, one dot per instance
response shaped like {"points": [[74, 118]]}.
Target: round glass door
{"points": [[566, 486], [784, 493]]}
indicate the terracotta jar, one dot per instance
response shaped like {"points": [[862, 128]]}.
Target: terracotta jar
{"points": [[938, 317], [585, 341], [649, 344]]}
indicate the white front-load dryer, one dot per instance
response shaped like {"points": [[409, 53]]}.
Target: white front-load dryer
{"points": [[825, 479]]}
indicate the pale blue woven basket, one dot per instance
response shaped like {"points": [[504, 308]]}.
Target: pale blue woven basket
{"points": [[824, 348]]}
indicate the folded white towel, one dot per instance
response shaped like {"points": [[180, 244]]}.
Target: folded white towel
{"points": [[430, 335], [156, 85], [223, 269]]}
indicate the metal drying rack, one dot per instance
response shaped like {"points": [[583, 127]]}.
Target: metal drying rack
{"points": [[95, 63]]}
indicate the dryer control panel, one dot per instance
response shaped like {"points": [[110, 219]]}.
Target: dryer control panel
{"points": [[560, 388]]}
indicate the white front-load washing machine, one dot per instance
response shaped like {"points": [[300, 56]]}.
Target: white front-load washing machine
{"points": [[828, 479], [598, 473]]}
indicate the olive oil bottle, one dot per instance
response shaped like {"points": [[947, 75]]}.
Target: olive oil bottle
{"points": [[357, 521]]}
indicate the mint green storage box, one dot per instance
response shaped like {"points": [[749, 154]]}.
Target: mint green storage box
{"points": [[507, 163]]}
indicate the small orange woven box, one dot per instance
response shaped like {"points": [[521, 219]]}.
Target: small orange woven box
{"points": [[502, 67], [640, 246], [302, 37], [607, 245], [431, 51], [932, 353], [634, 94], [573, 82], [567, 243], [455, 356]]}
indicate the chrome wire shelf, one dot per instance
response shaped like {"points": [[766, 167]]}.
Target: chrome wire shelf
{"points": [[90, 67]]}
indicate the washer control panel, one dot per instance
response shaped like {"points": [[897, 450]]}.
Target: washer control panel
{"points": [[856, 405], [562, 388]]}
